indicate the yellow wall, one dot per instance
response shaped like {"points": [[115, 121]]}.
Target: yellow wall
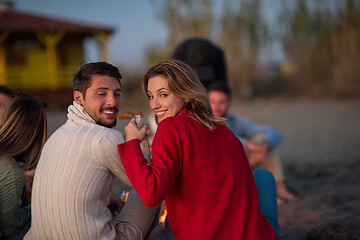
{"points": [[31, 72]]}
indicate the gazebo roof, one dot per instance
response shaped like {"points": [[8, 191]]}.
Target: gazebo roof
{"points": [[20, 21]]}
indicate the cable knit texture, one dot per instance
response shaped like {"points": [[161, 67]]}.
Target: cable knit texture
{"points": [[204, 177], [12, 180], [73, 181]]}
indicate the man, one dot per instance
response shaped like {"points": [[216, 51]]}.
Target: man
{"points": [[75, 174], [6, 94], [259, 141]]}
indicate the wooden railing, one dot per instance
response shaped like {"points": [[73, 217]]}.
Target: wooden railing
{"points": [[38, 77]]}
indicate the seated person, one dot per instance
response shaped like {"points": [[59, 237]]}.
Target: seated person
{"points": [[23, 131], [193, 169], [259, 141], [78, 165]]}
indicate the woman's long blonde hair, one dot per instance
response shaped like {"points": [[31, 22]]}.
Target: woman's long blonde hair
{"points": [[184, 83], [23, 130]]}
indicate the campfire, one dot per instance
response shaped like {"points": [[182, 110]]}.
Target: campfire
{"points": [[163, 214]]}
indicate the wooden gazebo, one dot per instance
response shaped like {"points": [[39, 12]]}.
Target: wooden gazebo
{"points": [[38, 52]]}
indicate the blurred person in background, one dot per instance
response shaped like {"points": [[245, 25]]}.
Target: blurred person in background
{"points": [[198, 166], [6, 94], [259, 141], [23, 131], [206, 59]]}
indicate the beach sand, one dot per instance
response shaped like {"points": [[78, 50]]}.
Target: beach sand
{"points": [[320, 152]]}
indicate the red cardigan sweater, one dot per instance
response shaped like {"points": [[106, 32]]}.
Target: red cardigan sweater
{"points": [[204, 177]]}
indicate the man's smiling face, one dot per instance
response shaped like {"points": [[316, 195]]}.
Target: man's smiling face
{"points": [[101, 100]]}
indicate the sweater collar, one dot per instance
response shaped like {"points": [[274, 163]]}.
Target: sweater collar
{"points": [[76, 113], [182, 112]]}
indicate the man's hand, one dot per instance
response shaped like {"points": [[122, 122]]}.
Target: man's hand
{"points": [[115, 205], [257, 152], [26, 198], [29, 178], [29, 175]]}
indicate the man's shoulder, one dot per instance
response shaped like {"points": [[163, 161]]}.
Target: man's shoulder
{"points": [[91, 131], [235, 119], [237, 123], [114, 135], [233, 116], [107, 135]]}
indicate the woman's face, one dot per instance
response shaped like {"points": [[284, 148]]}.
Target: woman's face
{"points": [[163, 102]]}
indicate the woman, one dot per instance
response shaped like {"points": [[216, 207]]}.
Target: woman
{"points": [[199, 167], [23, 131]]}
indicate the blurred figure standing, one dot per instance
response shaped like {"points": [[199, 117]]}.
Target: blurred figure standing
{"points": [[206, 59]]}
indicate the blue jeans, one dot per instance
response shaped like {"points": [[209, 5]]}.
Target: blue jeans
{"points": [[266, 187]]}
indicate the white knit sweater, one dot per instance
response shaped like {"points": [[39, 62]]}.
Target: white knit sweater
{"points": [[73, 181]]}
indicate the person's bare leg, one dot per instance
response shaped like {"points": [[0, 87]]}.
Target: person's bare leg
{"points": [[272, 163], [283, 192], [280, 201]]}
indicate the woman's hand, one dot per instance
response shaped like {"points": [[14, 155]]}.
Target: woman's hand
{"points": [[29, 175], [132, 131]]}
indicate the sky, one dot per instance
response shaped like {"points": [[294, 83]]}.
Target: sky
{"points": [[135, 24]]}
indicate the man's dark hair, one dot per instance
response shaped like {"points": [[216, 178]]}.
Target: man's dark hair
{"points": [[220, 87], [81, 80], [7, 91], [205, 58]]}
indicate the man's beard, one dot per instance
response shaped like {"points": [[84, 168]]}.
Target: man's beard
{"points": [[105, 124]]}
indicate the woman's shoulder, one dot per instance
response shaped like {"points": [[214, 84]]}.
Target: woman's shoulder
{"points": [[9, 170], [7, 162], [176, 121], [224, 131]]}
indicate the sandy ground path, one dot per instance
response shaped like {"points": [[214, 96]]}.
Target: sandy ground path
{"points": [[320, 153]]}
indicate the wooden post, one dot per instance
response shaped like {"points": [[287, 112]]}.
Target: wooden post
{"points": [[3, 75], [50, 40], [102, 39]]}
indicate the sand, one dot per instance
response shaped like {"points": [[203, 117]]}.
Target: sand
{"points": [[320, 153]]}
